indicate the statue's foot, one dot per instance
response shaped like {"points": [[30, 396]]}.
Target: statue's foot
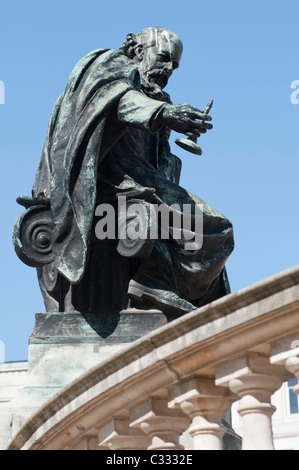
{"points": [[167, 301]]}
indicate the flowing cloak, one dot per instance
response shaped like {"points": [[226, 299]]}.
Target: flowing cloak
{"points": [[74, 146], [86, 125]]}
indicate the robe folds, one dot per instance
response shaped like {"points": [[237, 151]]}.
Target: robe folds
{"points": [[105, 138], [67, 171]]}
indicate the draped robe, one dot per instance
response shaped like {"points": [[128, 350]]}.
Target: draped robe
{"points": [[105, 138]]}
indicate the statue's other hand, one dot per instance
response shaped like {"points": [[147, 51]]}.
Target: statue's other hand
{"points": [[186, 119]]}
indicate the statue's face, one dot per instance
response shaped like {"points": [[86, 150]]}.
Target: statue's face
{"points": [[160, 55]]}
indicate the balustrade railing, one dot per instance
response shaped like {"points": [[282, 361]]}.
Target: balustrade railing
{"points": [[171, 389]]}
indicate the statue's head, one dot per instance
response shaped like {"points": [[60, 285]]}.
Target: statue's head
{"points": [[157, 51]]}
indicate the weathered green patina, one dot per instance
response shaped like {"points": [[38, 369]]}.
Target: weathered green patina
{"points": [[108, 137]]}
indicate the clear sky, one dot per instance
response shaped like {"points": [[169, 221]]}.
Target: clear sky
{"points": [[243, 54]]}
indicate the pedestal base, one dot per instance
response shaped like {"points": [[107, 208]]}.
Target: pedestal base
{"points": [[125, 326], [65, 345]]}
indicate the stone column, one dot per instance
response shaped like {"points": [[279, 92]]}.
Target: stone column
{"points": [[206, 404], [254, 380], [163, 425], [118, 435], [256, 410]]}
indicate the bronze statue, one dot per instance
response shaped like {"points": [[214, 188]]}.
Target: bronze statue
{"points": [[108, 138]]}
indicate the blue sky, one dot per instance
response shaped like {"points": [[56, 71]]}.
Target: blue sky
{"points": [[242, 54]]}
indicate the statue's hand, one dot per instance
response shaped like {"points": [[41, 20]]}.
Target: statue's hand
{"points": [[186, 119]]}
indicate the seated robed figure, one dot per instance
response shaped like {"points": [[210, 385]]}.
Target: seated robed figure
{"points": [[108, 138]]}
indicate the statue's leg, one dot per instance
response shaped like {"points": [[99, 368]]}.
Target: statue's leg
{"points": [[176, 279]]}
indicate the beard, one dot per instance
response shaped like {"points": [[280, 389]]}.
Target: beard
{"points": [[159, 77], [153, 82]]}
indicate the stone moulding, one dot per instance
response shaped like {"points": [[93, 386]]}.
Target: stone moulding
{"points": [[194, 345]]}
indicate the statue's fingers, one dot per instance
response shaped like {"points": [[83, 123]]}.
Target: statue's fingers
{"points": [[196, 130], [196, 110], [202, 116], [202, 125], [198, 114], [195, 133]]}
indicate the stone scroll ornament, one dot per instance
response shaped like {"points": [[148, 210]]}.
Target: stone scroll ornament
{"points": [[32, 235], [32, 239], [108, 135]]}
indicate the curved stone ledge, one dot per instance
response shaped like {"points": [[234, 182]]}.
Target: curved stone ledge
{"points": [[199, 344]]}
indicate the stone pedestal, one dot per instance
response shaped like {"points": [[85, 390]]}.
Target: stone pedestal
{"points": [[63, 346]]}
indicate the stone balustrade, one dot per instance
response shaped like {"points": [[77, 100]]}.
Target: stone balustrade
{"points": [[171, 388]]}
